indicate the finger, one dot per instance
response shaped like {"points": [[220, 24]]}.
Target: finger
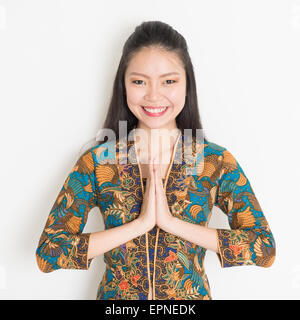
{"points": [[148, 185], [158, 172], [155, 169], [151, 171], [157, 179], [149, 182], [155, 164], [151, 176]]}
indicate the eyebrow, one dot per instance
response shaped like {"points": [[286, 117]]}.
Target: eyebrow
{"points": [[161, 76]]}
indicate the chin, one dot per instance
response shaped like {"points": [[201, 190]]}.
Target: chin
{"points": [[155, 125]]}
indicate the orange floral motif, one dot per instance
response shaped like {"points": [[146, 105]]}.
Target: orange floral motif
{"points": [[123, 285], [236, 249], [171, 257], [134, 279], [171, 293]]}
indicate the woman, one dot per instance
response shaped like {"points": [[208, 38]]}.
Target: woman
{"points": [[155, 208]]}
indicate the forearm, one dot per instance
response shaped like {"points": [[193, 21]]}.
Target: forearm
{"points": [[103, 241], [202, 236]]}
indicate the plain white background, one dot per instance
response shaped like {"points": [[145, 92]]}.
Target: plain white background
{"points": [[57, 64]]}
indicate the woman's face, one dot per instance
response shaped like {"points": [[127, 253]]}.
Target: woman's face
{"points": [[155, 84]]}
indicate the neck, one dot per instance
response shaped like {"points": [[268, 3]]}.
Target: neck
{"points": [[159, 140]]}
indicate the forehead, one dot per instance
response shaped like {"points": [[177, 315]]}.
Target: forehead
{"points": [[155, 62]]}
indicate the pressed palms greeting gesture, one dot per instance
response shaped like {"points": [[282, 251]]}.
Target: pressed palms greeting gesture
{"points": [[163, 214], [155, 209], [147, 215]]}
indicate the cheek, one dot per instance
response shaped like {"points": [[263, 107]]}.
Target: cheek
{"points": [[177, 97], [134, 96]]}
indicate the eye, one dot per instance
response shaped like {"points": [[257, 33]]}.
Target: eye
{"points": [[171, 80], [134, 81]]}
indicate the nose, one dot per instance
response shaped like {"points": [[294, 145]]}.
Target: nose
{"points": [[153, 93]]}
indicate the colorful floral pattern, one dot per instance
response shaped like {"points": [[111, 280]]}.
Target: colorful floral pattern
{"points": [[175, 264]]}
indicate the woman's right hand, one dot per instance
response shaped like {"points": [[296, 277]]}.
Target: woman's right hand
{"points": [[147, 215]]}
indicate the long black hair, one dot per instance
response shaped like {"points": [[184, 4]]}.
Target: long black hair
{"points": [[162, 35]]}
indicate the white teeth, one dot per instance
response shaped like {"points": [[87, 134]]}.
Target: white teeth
{"points": [[155, 110]]}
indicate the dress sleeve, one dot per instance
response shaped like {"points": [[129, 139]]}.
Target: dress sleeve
{"points": [[62, 243], [250, 240]]}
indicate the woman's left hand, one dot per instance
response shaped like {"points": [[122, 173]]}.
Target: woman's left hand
{"points": [[163, 214]]}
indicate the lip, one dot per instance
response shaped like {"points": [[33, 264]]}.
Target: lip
{"points": [[158, 114]]}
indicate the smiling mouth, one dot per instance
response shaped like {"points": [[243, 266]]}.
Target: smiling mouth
{"points": [[154, 111]]}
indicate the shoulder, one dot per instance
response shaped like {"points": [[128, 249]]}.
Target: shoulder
{"points": [[212, 148], [215, 152], [227, 156], [103, 153]]}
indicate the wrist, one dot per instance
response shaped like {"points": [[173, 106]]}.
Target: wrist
{"points": [[170, 226], [140, 225]]}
